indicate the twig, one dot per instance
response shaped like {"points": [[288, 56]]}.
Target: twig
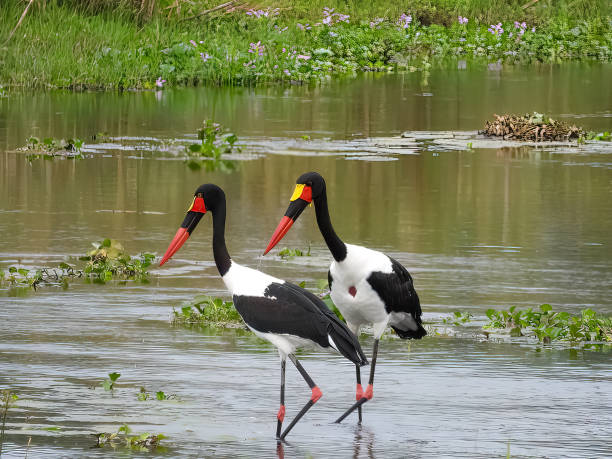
{"points": [[19, 22], [528, 4], [202, 13]]}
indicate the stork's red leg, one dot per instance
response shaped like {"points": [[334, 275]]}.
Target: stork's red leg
{"points": [[369, 392], [316, 395]]}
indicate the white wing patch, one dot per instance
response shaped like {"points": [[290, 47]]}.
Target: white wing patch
{"points": [[241, 280]]}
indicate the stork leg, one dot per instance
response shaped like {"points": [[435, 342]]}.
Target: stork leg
{"points": [[369, 393], [359, 394], [281, 411], [316, 395]]}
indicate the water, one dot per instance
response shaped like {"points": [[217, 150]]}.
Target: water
{"points": [[476, 229]]}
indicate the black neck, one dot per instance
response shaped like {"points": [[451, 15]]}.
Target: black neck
{"points": [[222, 258], [335, 244]]}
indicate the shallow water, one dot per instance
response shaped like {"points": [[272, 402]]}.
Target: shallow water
{"points": [[477, 229]]}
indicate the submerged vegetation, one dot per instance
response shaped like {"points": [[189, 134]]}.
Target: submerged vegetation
{"points": [[124, 438], [7, 400], [107, 261], [98, 44], [287, 253], [49, 148], [207, 311], [215, 141]]}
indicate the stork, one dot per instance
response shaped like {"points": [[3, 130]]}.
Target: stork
{"points": [[282, 313], [367, 286]]}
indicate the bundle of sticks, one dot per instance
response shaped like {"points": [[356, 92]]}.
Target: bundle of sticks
{"points": [[536, 127]]}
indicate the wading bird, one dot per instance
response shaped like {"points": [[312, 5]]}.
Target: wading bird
{"points": [[368, 287], [282, 313]]}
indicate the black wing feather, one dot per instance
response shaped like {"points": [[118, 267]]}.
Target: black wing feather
{"points": [[289, 309], [397, 292]]}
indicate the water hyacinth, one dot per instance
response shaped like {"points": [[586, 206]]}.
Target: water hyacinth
{"points": [[256, 48], [404, 21], [496, 29], [258, 14], [375, 22], [462, 20]]}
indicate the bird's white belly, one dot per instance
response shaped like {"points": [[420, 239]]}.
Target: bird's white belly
{"points": [[285, 343], [364, 308]]}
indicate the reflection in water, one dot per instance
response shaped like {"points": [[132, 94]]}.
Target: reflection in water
{"points": [[364, 441]]}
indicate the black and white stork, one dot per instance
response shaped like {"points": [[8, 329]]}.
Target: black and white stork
{"points": [[282, 313], [367, 286]]}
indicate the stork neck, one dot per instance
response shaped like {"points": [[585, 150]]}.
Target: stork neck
{"points": [[222, 258], [335, 244]]}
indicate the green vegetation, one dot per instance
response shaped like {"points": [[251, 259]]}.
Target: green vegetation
{"points": [[458, 318], [109, 384], [124, 438], [143, 395], [287, 253], [106, 261], [548, 325], [50, 148], [207, 311], [215, 141], [114, 44], [7, 399]]}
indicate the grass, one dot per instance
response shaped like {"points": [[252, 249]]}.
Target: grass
{"points": [[63, 47]]}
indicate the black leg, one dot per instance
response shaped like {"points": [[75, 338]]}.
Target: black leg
{"points": [[369, 393], [359, 389], [281, 411], [316, 395]]}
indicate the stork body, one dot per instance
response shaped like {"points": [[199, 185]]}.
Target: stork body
{"points": [[284, 314], [367, 286]]}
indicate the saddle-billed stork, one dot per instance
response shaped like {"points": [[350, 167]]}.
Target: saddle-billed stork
{"points": [[367, 286], [282, 313]]}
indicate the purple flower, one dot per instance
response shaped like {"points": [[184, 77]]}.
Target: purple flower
{"points": [[330, 18], [462, 39], [404, 21], [303, 56], [304, 27], [256, 48], [159, 82], [463, 20], [533, 29], [276, 66], [286, 72], [193, 43], [332, 34], [268, 12], [496, 29], [375, 22], [205, 57]]}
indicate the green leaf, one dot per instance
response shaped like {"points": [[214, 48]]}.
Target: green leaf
{"points": [[545, 308], [160, 395], [114, 376]]}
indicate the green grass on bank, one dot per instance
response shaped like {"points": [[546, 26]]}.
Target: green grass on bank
{"points": [[111, 44]]}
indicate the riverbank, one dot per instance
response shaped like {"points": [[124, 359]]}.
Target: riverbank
{"points": [[60, 47]]}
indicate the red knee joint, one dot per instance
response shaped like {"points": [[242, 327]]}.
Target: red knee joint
{"points": [[316, 394], [369, 393], [359, 395], [281, 413]]}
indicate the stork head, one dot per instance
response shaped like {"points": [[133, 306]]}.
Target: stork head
{"points": [[205, 198], [309, 187]]}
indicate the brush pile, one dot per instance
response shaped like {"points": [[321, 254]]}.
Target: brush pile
{"points": [[534, 128]]}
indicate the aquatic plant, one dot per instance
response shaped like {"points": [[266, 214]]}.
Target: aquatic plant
{"points": [[458, 318], [49, 148], [160, 395], [548, 325], [7, 399], [205, 310], [287, 253], [109, 383], [108, 260], [215, 141], [124, 438]]}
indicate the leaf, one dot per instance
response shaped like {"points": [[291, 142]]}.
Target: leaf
{"points": [[516, 332], [24, 272], [545, 308], [12, 269], [114, 376], [160, 395]]}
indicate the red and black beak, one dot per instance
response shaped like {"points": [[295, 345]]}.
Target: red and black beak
{"points": [[302, 196], [194, 214]]}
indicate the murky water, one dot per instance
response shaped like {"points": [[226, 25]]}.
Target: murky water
{"points": [[477, 229]]}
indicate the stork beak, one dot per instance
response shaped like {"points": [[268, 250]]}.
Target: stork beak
{"points": [[191, 221], [294, 210]]}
